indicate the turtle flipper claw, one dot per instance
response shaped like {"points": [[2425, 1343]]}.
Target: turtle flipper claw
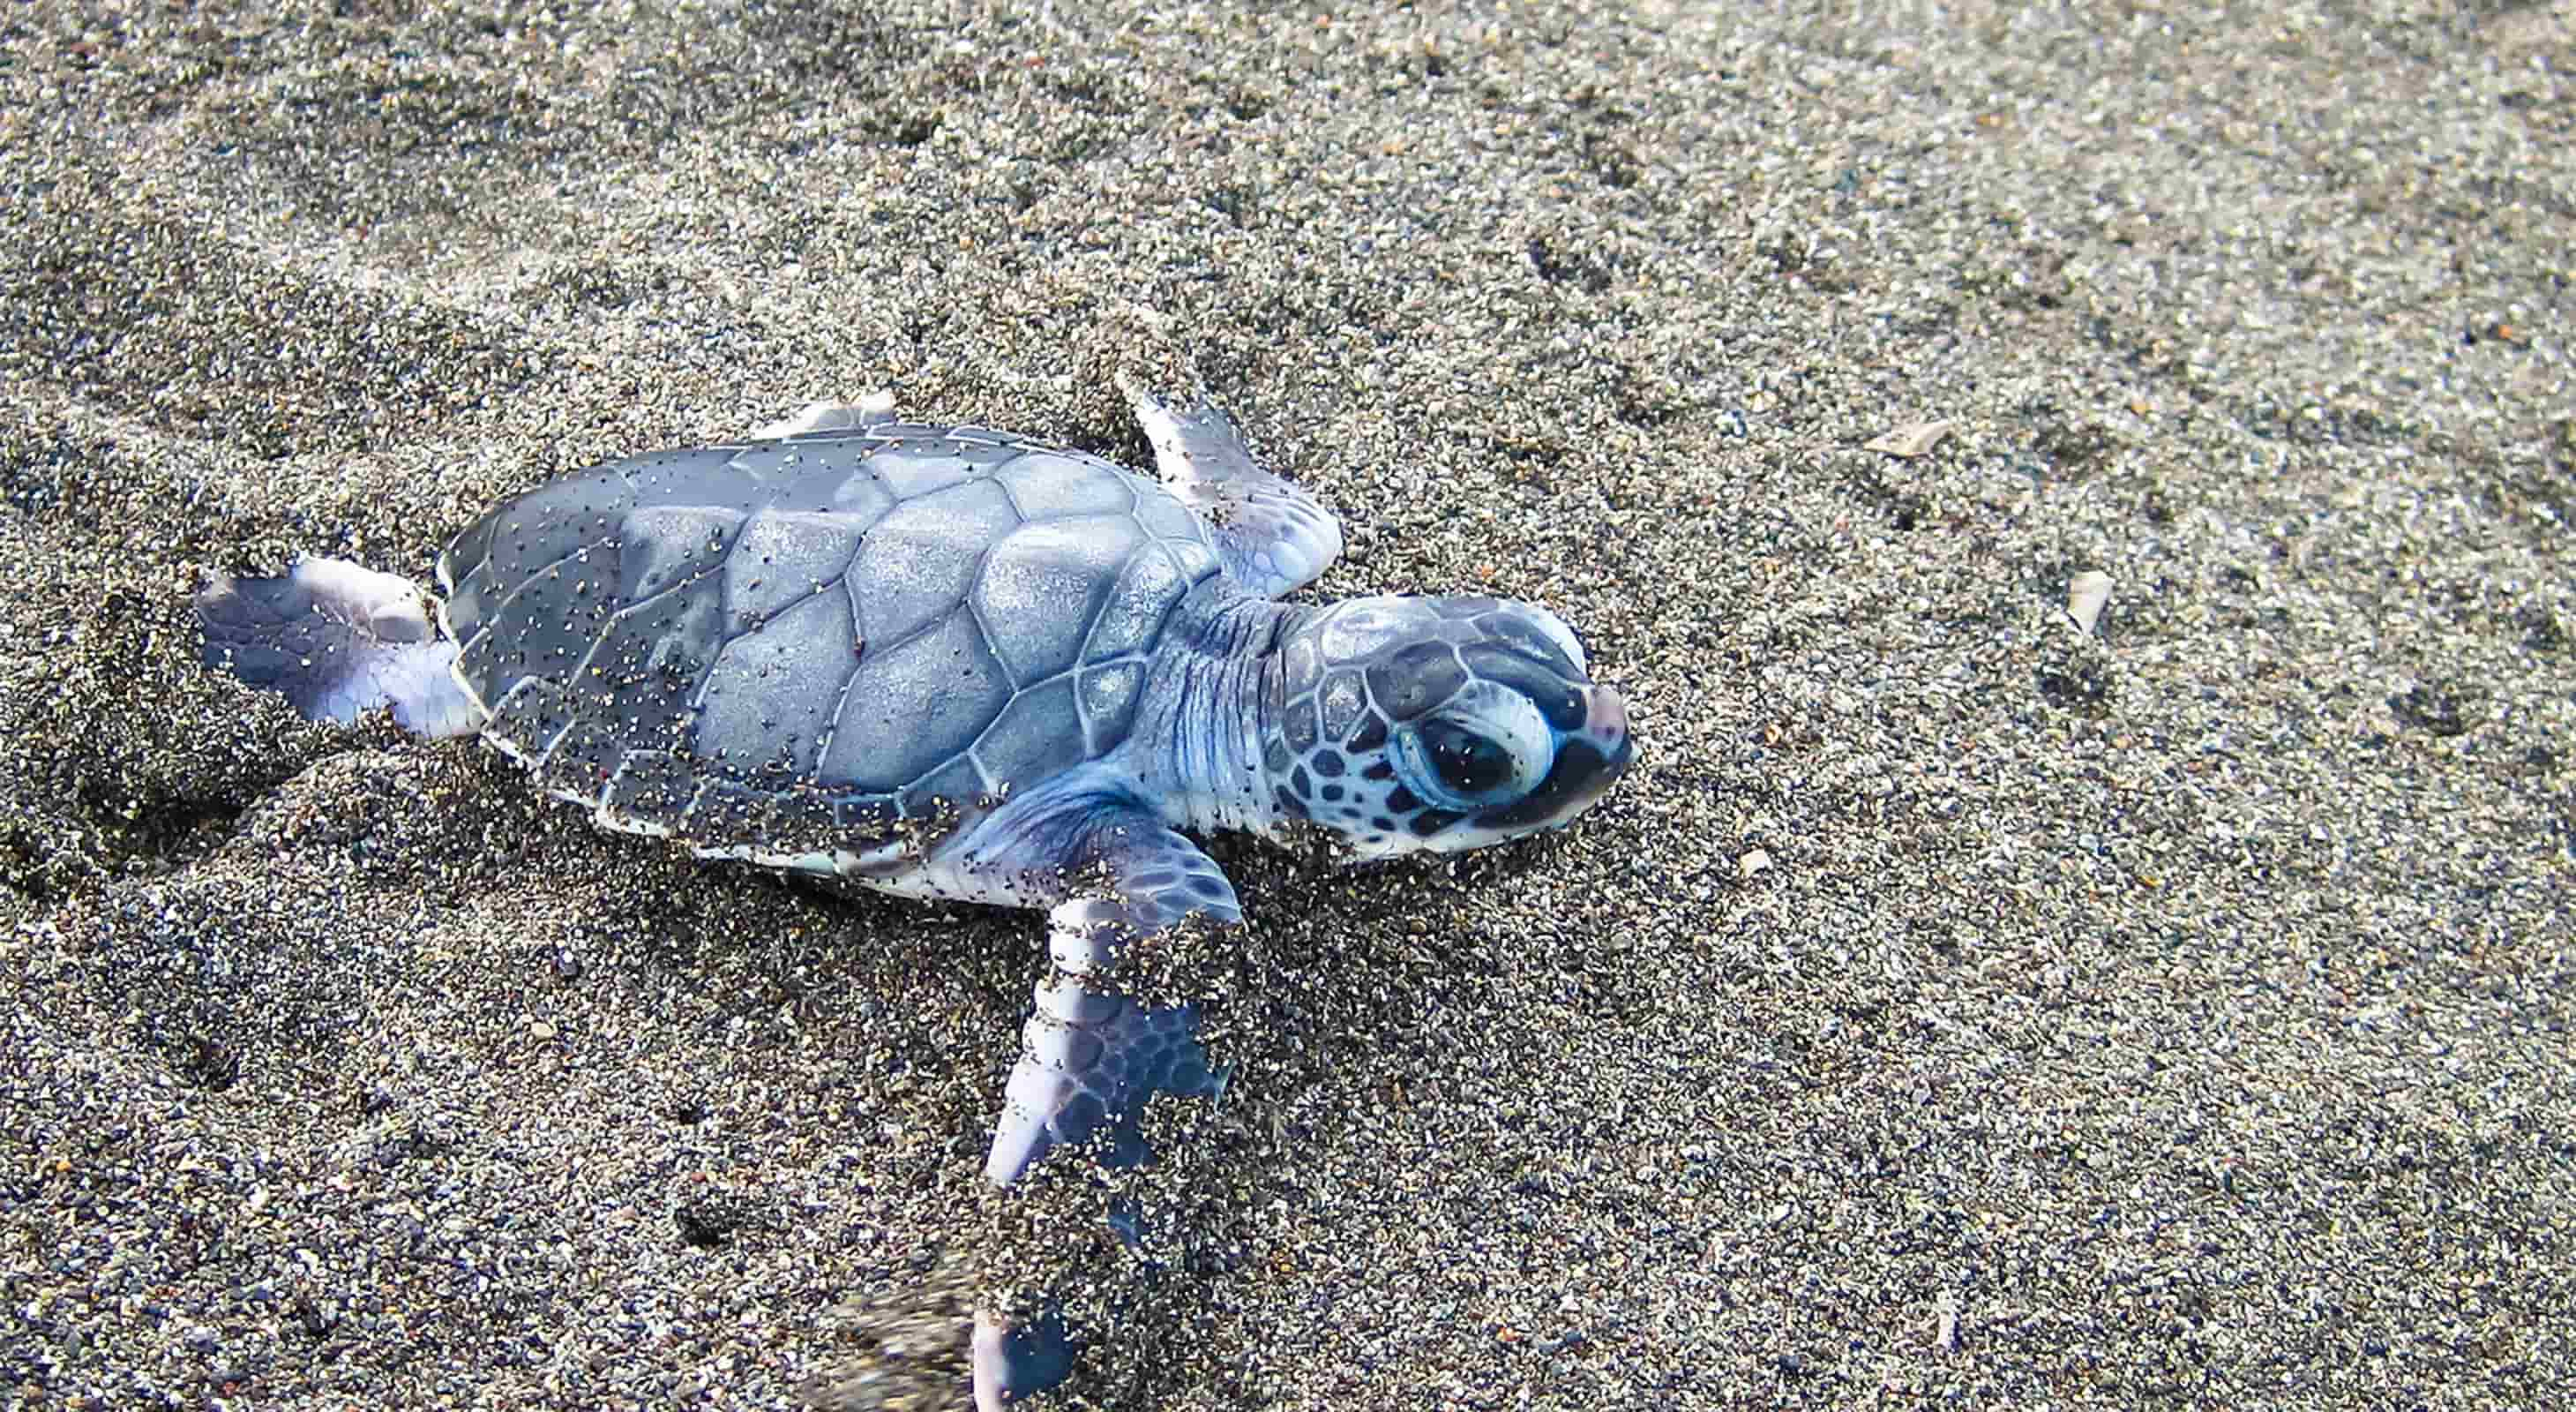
{"points": [[337, 640]]}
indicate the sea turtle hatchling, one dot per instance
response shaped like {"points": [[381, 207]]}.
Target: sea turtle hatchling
{"points": [[951, 662]]}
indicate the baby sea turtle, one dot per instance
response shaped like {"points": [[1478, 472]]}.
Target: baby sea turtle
{"points": [[952, 662]]}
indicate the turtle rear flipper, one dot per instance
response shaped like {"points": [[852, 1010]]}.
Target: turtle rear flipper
{"points": [[337, 641]]}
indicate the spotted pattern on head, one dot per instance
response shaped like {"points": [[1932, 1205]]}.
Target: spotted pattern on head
{"points": [[1404, 724]]}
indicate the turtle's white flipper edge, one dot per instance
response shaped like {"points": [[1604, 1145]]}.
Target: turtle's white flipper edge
{"points": [[990, 1369]]}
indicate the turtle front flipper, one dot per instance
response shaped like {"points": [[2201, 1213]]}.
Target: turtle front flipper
{"points": [[1272, 537], [337, 640], [1092, 1056], [875, 409]]}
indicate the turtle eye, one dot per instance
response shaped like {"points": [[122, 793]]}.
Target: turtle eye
{"points": [[1471, 765], [1486, 747]]}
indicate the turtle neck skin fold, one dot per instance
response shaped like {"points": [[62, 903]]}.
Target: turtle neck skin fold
{"points": [[1196, 742]]}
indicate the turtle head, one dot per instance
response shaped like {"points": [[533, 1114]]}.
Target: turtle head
{"points": [[1404, 724]]}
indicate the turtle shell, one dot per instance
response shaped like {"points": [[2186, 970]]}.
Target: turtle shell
{"points": [[818, 641]]}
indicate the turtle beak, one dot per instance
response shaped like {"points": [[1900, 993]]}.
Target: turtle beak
{"points": [[1606, 719], [1605, 731]]}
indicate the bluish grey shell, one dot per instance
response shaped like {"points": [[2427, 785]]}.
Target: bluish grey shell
{"points": [[819, 638]]}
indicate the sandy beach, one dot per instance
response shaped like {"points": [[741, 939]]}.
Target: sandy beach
{"points": [[1956, 1005]]}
